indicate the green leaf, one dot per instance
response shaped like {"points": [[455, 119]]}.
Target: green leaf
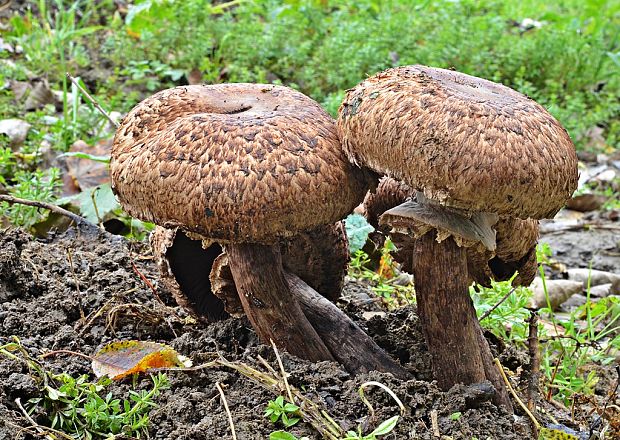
{"points": [[289, 407], [386, 427], [82, 155], [357, 231], [455, 416], [289, 421], [282, 435], [103, 197]]}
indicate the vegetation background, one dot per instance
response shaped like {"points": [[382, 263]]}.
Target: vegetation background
{"points": [[564, 54]]}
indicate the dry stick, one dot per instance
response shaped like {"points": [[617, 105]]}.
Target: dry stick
{"points": [[34, 424], [288, 389], [20, 429], [435, 423], [384, 388], [534, 366], [504, 298], [144, 279], [514, 394], [92, 100], [549, 230], [73, 353], [56, 209], [230, 420], [95, 314], [267, 366]]}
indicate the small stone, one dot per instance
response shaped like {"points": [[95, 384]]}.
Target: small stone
{"points": [[16, 130]]}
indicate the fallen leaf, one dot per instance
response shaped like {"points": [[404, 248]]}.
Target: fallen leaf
{"points": [[39, 95], [84, 171], [586, 202], [120, 359], [555, 434], [96, 203]]}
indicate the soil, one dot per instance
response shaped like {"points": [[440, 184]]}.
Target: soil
{"points": [[46, 285]]}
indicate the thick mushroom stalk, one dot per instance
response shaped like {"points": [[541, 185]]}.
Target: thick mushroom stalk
{"points": [[265, 296], [478, 152], [451, 329], [319, 257]]}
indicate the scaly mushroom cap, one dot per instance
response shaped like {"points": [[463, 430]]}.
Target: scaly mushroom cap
{"points": [[464, 141], [233, 162]]}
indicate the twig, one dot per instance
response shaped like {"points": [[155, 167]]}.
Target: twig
{"points": [[97, 313], [550, 229], [72, 353], [92, 100], [34, 424], [230, 420], [504, 298], [144, 279], [534, 366], [57, 209], [288, 389], [514, 394], [435, 424], [266, 365]]}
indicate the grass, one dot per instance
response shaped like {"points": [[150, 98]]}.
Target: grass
{"points": [[587, 337], [567, 58], [70, 407]]}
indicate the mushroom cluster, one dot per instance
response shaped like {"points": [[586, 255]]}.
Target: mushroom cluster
{"points": [[249, 182], [249, 167], [477, 157]]}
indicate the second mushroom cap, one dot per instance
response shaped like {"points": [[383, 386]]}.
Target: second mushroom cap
{"points": [[464, 141]]}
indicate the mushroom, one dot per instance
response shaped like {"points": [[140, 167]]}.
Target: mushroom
{"points": [[476, 152], [516, 240], [246, 166], [187, 269]]}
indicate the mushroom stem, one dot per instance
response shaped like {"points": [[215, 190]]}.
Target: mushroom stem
{"points": [[448, 317], [353, 348], [266, 298]]}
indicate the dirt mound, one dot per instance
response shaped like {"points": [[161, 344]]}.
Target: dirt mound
{"points": [[47, 286]]}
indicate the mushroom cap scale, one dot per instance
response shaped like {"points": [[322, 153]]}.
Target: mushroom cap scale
{"points": [[464, 141], [233, 162]]}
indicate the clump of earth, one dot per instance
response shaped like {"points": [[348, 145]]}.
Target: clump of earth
{"points": [[78, 291]]}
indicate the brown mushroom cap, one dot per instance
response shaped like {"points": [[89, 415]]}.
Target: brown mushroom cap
{"points": [[464, 141], [233, 162]]}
